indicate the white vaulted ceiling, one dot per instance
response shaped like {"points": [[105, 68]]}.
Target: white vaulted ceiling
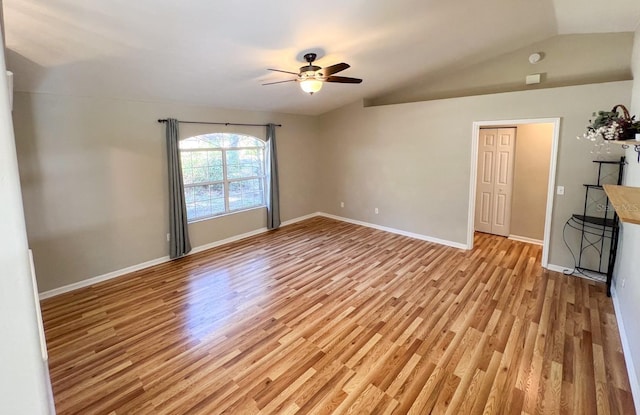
{"points": [[217, 52]]}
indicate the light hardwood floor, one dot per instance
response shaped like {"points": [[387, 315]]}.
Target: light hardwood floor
{"points": [[328, 317]]}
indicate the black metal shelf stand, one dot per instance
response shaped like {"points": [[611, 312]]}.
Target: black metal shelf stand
{"points": [[596, 226]]}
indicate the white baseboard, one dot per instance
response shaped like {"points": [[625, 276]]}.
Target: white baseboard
{"points": [[234, 238], [626, 351], [556, 268], [397, 231], [587, 275], [101, 278], [526, 239], [158, 261]]}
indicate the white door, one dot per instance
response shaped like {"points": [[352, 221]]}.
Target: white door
{"points": [[495, 180], [486, 173]]}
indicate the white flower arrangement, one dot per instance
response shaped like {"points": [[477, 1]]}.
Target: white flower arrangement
{"points": [[607, 132], [609, 126]]}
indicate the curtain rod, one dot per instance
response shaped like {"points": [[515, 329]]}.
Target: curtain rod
{"points": [[220, 123]]}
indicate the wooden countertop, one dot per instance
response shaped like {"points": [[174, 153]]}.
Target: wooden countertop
{"points": [[625, 201]]}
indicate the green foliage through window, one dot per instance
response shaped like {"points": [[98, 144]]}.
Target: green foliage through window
{"points": [[222, 173]]}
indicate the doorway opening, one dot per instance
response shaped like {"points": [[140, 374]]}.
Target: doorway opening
{"points": [[507, 192]]}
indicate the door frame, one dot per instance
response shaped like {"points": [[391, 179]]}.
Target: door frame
{"points": [[475, 136]]}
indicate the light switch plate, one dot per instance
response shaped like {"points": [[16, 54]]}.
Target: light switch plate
{"points": [[560, 190]]}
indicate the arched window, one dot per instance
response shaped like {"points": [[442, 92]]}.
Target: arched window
{"points": [[222, 173]]}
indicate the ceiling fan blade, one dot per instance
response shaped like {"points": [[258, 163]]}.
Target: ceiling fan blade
{"points": [[343, 80], [338, 67], [280, 82], [280, 70]]}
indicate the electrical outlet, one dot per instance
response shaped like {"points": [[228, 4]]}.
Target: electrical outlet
{"points": [[624, 280], [376, 211], [341, 204], [560, 190], [168, 237]]}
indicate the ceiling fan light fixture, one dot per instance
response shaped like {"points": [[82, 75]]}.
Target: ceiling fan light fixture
{"points": [[311, 86], [311, 77]]}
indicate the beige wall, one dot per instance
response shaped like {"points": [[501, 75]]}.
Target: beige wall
{"points": [[412, 161], [627, 270], [93, 175], [568, 60], [93, 179], [531, 180]]}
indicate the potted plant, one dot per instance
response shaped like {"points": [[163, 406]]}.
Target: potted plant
{"points": [[611, 125]]}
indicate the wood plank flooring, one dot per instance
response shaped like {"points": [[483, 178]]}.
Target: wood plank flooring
{"points": [[326, 317]]}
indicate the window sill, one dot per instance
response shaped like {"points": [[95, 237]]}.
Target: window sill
{"points": [[222, 215]]}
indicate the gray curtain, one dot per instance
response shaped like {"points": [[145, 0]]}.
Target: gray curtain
{"points": [[273, 195], [179, 244]]}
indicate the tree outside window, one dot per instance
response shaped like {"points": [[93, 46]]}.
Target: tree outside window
{"points": [[222, 173]]}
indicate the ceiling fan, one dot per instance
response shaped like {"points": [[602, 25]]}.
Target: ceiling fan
{"points": [[311, 77]]}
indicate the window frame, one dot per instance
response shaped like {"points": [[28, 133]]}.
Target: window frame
{"points": [[226, 181]]}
